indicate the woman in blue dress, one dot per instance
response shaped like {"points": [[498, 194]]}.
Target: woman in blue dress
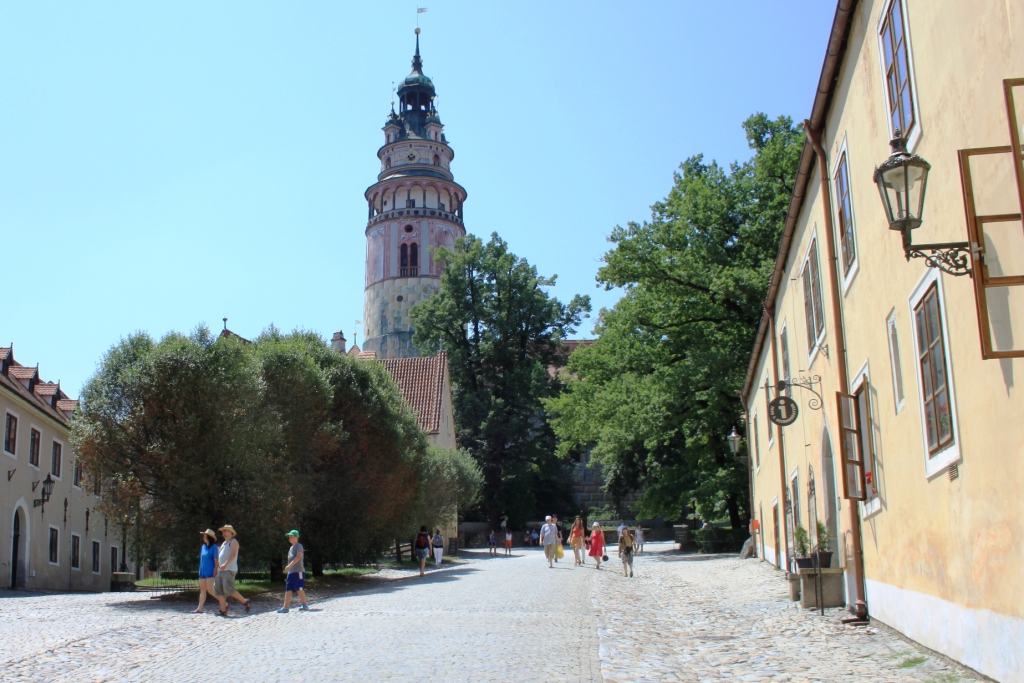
{"points": [[207, 567]]}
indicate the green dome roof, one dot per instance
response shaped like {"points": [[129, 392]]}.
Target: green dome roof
{"points": [[416, 79]]}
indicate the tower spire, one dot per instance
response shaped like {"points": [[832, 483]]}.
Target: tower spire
{"points": [[417, 63]]}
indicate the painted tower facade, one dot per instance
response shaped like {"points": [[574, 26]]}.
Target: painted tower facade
{"points": [[414, 206]]}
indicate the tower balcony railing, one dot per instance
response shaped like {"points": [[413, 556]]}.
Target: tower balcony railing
{"points": [[418, 212], [409, 272]]}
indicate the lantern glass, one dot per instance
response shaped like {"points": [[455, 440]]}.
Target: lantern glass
{"points": [[47, 486], [734, 441], [902, 180]]}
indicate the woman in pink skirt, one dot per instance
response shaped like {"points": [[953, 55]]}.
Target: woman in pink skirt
{"points": [[597, 543]]}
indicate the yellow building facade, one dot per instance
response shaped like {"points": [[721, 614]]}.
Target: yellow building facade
{"points": [[917, 472]]}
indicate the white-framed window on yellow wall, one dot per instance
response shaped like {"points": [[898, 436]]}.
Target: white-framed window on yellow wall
{"points": [[936, 394], [896, 58], [895, 363], [755, 440], [845, 223], [810, 277], [767, 422]]}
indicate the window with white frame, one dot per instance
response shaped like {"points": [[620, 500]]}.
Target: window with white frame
{"points": [[768, 423], [76, 551], [79, 473], [755, 438], [811, 279], [784, 353], [897, 69], [35, 441], [844, 211], [895, 363], [931, 358], [54, 545], [96, 552], [56, 458], [11, 434], [936, 392]]}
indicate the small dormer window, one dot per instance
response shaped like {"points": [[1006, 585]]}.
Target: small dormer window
{"points": [[437, 158], [387, 163]]}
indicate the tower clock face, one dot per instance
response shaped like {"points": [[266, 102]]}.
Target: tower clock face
{"points": [[411, 156]]}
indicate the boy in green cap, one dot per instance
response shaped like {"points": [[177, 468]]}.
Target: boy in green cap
{"points": [[296, 581]]}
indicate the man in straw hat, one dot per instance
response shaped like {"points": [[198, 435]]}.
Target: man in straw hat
{"points": [[224, 583]]}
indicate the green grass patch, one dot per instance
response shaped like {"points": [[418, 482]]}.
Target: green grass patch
{"points": [[945, 678], [912, 662]]}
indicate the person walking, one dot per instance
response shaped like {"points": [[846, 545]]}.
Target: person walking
{"points": [[421, 546], [622, 527], [227, 567], [626, 553], [534, 537], [437, 542], [526, 538], [295, 581], [207, 567], [549, 539], [576, 541], [559, 552], [597, 543], [508, 543], [492, 544], [638, 540]]}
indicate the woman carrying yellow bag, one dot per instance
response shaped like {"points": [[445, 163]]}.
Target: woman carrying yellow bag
{"points": [[559, 551]]}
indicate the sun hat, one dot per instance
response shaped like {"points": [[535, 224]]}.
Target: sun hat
{"points": [[293, 532], [228, 527], [209, 532], [595, 524]]}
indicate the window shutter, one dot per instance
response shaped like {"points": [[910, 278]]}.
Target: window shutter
{"points": [[850, 450], [993, 202]]}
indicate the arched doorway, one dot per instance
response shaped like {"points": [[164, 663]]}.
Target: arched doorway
{"points": [[19, 552]]}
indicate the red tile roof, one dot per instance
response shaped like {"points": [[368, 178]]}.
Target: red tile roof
{"points": [[42, 398], [422, 383], [21, 372]]}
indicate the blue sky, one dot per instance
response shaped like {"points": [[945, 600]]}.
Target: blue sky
{"points": [[166, 166]]}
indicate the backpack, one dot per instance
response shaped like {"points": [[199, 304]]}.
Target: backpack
{"points": [[438, 540], [421, 540]]}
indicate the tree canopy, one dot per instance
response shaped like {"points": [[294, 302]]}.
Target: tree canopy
{"points": [[503, 332], [658, 392], [197, 431]]}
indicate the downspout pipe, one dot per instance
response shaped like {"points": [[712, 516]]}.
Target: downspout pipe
{"points": [[853, 509]]}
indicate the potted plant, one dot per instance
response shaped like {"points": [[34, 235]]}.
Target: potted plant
{"points": [[803, 549], [824, 547]]}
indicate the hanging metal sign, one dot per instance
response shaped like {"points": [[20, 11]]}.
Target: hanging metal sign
{"points": [[783, 411]]}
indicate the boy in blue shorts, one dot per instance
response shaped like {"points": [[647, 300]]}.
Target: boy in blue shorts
{"points": [[296, 581]]}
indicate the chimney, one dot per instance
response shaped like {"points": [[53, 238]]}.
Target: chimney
{"points": [[338, 341]]}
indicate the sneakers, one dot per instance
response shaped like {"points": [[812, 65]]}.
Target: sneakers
{"points": [[304, 608], [283, 610]]}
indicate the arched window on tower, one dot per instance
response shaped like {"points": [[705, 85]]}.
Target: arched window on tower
{"points": [[403, 269], [414, 260], [387, 163], [437, 158]]}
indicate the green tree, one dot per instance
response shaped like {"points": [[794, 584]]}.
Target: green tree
{"points": [[452, 481], [656, 394], [198, 431], [179, 434], [502, 331]]}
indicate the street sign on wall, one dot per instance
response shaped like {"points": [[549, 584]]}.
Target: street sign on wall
{"points": [[783, 411]]}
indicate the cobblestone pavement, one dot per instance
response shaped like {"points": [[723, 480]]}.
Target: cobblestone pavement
{"points": [[683, 618], [496, 619], [718, 618]]}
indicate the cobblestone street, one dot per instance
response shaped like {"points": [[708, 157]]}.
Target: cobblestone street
{"points": [[683, 618]]}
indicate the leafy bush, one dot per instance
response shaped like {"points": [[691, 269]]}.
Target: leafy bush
{"points": [[803, 543], [824, 544]]}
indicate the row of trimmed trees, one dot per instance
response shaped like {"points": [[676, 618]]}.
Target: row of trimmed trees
{"points": [[198, 431]]}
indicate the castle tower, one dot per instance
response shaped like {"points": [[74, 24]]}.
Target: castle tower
{"points": [[414, 206]]}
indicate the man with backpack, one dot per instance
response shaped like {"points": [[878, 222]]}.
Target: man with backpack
{"points": [[421, 546]]}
